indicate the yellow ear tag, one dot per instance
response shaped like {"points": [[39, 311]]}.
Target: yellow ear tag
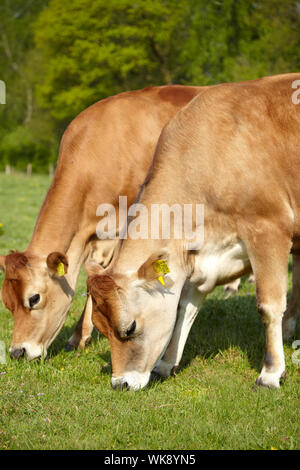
{"points": [[60, 269], [160, 266]]}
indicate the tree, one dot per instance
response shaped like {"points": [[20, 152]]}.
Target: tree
{"points": [[59, 57], [26, 132], [96, 49], [16, 17], [234, 40]]}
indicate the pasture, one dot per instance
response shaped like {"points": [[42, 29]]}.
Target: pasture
{"points": [[66, 401]]}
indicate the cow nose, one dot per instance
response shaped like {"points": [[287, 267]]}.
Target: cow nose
{"points": [[17, 353], [120, 385]]}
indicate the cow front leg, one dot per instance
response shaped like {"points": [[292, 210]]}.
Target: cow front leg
{"points": [[232, 287], [83, 331], [290, 317], [100, 255], [190, 303], [273, 365], [269, 253]]}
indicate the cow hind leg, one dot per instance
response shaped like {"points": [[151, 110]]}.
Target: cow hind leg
{"points": [[189, 305], [83, 331], [290, 317], [232, 287], [101, 253], [269, 254]]}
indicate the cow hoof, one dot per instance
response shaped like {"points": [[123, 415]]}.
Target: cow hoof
{"points": [[84, 342], [69, 347], [229, 291], [270, 380], [261, 382], [74, 343]]}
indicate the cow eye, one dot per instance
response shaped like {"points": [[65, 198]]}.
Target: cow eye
{"points": [[33, 300], [131, 329]]}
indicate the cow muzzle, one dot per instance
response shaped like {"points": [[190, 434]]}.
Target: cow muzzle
{"points": [[31, 351], [16, 353], [131, 381]]}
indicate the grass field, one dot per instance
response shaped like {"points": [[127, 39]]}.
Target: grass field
{"points": [[66, 401]]}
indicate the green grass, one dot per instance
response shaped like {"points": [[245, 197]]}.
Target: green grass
{"points": [[66, 401]]}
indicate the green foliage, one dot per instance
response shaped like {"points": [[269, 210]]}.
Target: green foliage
{"points": [[19, 142], [20, 147], [93, 50], [241, 40], [59, 57]]}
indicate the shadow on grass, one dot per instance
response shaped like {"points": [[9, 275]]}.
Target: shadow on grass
{"points": [[225, 323]]}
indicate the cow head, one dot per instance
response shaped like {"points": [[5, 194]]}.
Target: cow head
{"points": [[137, 313], [37, 293]]}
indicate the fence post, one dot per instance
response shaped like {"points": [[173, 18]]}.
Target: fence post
{"points": [[51, 170], [2, 92], [29, 169], [7, 170]]}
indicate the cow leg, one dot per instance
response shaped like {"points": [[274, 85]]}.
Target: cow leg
{"points": [[101, 253], [190, 303], [290, 316], [83, 331], [232, 287], [269, 255]]}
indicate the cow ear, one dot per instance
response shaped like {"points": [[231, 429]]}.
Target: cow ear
{"points": [[154, 268], [2, 263], [57, 264], [92, 268]]}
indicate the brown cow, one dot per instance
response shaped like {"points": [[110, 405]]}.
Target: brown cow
{"points": [[106, 151], [235, 149]]}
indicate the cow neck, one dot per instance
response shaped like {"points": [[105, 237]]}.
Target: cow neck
{"points": [[61, 224], [131, 254]]}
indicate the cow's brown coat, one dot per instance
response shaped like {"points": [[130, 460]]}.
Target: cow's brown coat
{"points": [[238, 147], [105, 152]]}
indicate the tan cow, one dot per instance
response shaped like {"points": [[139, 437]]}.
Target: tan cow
{"points": [[106, 151], [235, 149]]}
